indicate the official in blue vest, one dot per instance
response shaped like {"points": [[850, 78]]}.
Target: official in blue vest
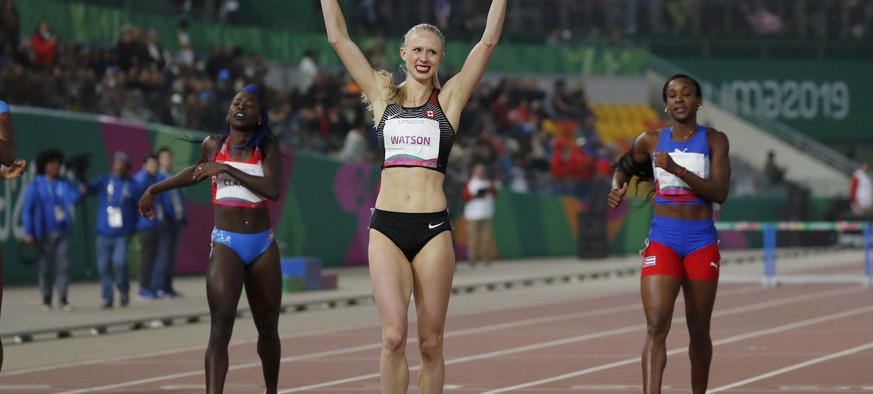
{"points": [[116, 222], [154, 238], [47, 216], [178, 218]]}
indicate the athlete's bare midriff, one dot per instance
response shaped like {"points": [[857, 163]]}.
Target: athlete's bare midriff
{"points": [[684, 211], [411, 189]]}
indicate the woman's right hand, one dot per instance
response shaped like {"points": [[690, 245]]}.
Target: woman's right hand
{"points": [[145, 204], [616, 196]]}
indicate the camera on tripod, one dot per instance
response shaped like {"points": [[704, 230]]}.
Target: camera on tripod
{"points": [[78, 163]]}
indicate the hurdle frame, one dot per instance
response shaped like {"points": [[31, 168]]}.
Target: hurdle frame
{"points": [[770, 230]]}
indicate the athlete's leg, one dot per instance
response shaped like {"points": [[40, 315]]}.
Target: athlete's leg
{"points": [[264, 292], [699, 302], [433, 269], [224, 279], [391, 276], [659, 295]]}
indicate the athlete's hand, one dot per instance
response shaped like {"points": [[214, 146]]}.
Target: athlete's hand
{"points": [[208, 169], [13, 171], [663, 160], [145, 205], [616, 196]]}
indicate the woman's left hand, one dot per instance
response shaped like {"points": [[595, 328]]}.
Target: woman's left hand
{"points": [[663, 160], [13, 171], [208, 169]]}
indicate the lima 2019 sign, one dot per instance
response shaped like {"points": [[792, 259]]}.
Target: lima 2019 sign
{"points": [[811, 96]]}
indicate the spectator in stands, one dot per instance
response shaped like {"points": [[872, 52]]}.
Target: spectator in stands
{"points": [[116, 222], [761, 19], [45, 45], [185, 54], [774, 174], [157, 58], [245, 167], [861, 192], [307, 70], [691, 170], [410, 240], [10, 27], [153, 234], [177, 218], [479, 195], [9, 169], [47, 218], [355, 146]]}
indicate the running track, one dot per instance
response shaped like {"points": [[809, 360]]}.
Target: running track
{"points": [[812, 338]]}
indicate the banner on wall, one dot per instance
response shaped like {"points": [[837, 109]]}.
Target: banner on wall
{"points": [[826, 100]]}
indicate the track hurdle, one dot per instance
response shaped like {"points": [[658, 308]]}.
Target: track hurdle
{"points": [[770, 229]]}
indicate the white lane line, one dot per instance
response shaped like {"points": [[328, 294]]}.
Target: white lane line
{"points": [[636, 360], [790, 368], [601, 334], [789, 300]]}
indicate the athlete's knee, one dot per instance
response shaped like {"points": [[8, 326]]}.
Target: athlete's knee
{"points": [[394, 339], [699, 333], [431, 346], [221, 327], [658, 326]]}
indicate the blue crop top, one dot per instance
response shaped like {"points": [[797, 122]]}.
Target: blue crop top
{"points": [[693, 155]]}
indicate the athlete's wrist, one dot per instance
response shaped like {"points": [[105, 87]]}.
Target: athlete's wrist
{"points": [[681, 172]]}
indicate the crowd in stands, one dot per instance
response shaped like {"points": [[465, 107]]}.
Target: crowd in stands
{"points": [[138, 79], [531, 137]]}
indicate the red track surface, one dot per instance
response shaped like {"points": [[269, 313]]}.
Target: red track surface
{"points": [[791, 339]]}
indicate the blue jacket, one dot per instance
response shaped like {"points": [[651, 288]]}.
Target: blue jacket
{"points": [[120, 196], [175, 205], [48, 205], [143, 180]]}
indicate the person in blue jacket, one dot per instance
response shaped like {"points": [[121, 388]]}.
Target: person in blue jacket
{"points": [[153, 235], [48, 222], [178, 218], [116, 222]]}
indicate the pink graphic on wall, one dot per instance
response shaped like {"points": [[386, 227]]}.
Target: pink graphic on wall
{"points": [[354, 193], [130, 138]]}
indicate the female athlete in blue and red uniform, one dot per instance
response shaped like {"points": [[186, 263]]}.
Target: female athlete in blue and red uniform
{"points": [[245, 167], [690, 168]]}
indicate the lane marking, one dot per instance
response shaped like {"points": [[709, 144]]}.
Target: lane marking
{"points": [[797, 366], [636, 360]]}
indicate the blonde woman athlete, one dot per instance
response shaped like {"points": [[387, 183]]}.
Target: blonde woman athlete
{"points": [[410, 249]]}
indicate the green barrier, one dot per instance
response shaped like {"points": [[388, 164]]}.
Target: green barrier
{"points": [[824, 100]]}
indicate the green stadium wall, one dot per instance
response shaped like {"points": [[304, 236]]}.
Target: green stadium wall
{"points": [[824, 99], [323, 212]]}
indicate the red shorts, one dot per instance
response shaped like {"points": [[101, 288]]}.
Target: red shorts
{"points": [[701, 264]]}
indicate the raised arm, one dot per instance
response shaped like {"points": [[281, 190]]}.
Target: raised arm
{"points": [[458, 89], [352, 57]]}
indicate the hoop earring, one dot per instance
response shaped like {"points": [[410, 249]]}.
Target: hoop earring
{"points": [[666, 109]]}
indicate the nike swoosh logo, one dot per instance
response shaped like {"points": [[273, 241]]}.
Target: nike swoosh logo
{"points": [[392, 116], [433, 226]]}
